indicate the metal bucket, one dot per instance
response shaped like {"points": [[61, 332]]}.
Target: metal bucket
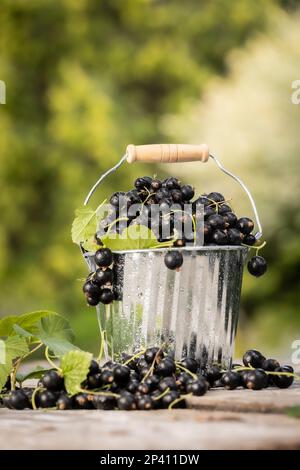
{"points": [[192, 312]]}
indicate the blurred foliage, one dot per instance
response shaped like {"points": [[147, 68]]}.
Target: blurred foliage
{"points": [[255, 130], [85, 78]]}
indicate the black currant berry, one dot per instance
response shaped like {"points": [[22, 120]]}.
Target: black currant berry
{"points": [[224, 209], [249, 240], [121, 375], [213, 373], [126, 402], [257, 266], [92, 301], [230, 219], [16, 400], [82, 401], [219, 237], [190, 364], [231, 380], [197, 387], [94, 367], [52, 381], [64, 402], [209, 211], [216, 221], [256, 379], [253, 358], [173, 260], [156, 184], [169, 397], [117, 198], [103, 257], [90, 289], [132, 385], [46, 399], [151, 353], [107, 377], [106, 296], [270, 365], [166, 367], [94, 380], [167, 382], [142, 183], [235, 237], [171, 183], [283, 381], [152, 381], [104, 402], [145, 403], [176, 195], [245, 225], [162, 194], [188, 192], [103, 276], [216, 197], [182, 381]]}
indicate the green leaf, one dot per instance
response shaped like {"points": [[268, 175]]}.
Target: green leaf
{"points": [[84, 225], [36, 373], [56, 333], [28, 321], [134, 237], [14, 346], [75, 366]]}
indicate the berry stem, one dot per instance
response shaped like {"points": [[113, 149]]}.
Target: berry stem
{"points": [[18, 363], [287, 374], [151, 368], [162, 394], [105, 394], [36, 390], [179, 366], [47, 356], [182, 397], [134, 357]]}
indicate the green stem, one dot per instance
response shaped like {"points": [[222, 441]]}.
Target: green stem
{"points": [[134, 357], [162, 394], [182, 397], [186, 370], [50, 361], [105, 394], [34, 407], [18, 363]]}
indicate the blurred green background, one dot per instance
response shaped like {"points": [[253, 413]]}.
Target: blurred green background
{"points": [[86, 77]]}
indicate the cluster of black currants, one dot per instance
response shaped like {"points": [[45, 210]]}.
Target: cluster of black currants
{"points": [[98, 285], [149, 380], [256, 374], [168, 208]]}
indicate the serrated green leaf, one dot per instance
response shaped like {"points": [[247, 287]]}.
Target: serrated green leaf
{"points": [[84, 225], [36, 373], [28, 321], [56, 333], [15, 346], [75, 366], [134, 237]]}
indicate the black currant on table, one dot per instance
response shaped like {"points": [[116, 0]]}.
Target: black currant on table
{"points": [[45, 399], [190, 364], [212, 374], [102, 402], [167, 382], [256, 379], [166, 367], [270, 364], [253, 358], [145, 403], [64, 402], [121, 374], [231, 380], [127, 402], [16, 400], [257, 266], [283, 381], [197, 387], [52, 381]]}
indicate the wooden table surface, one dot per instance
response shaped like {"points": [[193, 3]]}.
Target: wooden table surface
{"points": [[238, 419]]}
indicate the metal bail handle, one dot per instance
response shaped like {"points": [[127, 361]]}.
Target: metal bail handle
{"points": [[174, 153]]}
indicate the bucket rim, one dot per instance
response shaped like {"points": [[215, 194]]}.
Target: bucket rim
{"points": [[181, 249]]}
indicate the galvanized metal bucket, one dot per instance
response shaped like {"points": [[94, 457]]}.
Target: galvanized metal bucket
{"points": [[192, 312]]}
